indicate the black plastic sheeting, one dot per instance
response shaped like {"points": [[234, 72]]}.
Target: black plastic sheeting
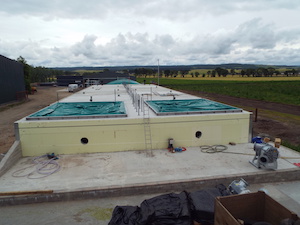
{"points": [[202, 203], [171, 209], [166, 209], [125, 215]]}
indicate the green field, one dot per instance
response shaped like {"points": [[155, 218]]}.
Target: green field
{"points": [[287, 92]]}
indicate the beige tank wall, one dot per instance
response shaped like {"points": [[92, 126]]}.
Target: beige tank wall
{"points": [[110, 135]]}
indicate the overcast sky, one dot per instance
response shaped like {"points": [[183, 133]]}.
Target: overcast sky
{"points": [[62, 33]]}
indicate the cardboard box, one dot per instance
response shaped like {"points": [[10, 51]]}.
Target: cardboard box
{"points": [[277, 142], [256, 206]]}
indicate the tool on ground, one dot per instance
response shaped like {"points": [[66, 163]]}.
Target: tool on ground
{"points": [[238, 187]]}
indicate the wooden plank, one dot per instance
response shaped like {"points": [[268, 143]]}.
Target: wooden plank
{"points": [[26, 192]]}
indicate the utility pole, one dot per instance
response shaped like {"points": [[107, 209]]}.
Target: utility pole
{"points": [[158, 72]]}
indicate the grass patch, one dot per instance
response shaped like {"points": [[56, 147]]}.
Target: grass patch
{"points": [[291, 146], [240, 78], [227, 78], [283, 117], [96, 212]]}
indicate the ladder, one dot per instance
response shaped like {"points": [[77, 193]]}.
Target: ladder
{"points": [[147, 128]]}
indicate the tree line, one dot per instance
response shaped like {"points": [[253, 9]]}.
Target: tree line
{"points": [[217, 72], [38, 74]]}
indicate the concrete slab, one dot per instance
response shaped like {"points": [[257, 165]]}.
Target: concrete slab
{"points": [[286, 193], [135, 172]]}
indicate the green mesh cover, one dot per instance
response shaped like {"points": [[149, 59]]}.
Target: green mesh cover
{"points": [[81, 109], [123, 81], [188, 105]]}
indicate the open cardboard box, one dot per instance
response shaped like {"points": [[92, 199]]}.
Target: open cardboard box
{"points": [[258, 206]]}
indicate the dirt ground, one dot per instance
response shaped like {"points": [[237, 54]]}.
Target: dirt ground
{"points": [[273, 119], [13, 112]]}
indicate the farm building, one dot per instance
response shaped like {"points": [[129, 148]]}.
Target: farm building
{"points": [[104, 78], [92, 79], [66, 80], [12, 85]]}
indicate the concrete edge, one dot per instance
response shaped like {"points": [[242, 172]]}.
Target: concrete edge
{"points": [[13, 155], [151, 188]]}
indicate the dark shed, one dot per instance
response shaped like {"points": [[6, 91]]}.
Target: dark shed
{"points": [[92, 78], [67, 79], [12, 85]]}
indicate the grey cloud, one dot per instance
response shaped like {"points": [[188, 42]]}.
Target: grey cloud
{"points": [[268, 57], [291, 36], [132, 46], [141, 49], [166, 40], [256, 34], [56, 8], [252, 42], [168, 9], [86, 47], [220, 43]]}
